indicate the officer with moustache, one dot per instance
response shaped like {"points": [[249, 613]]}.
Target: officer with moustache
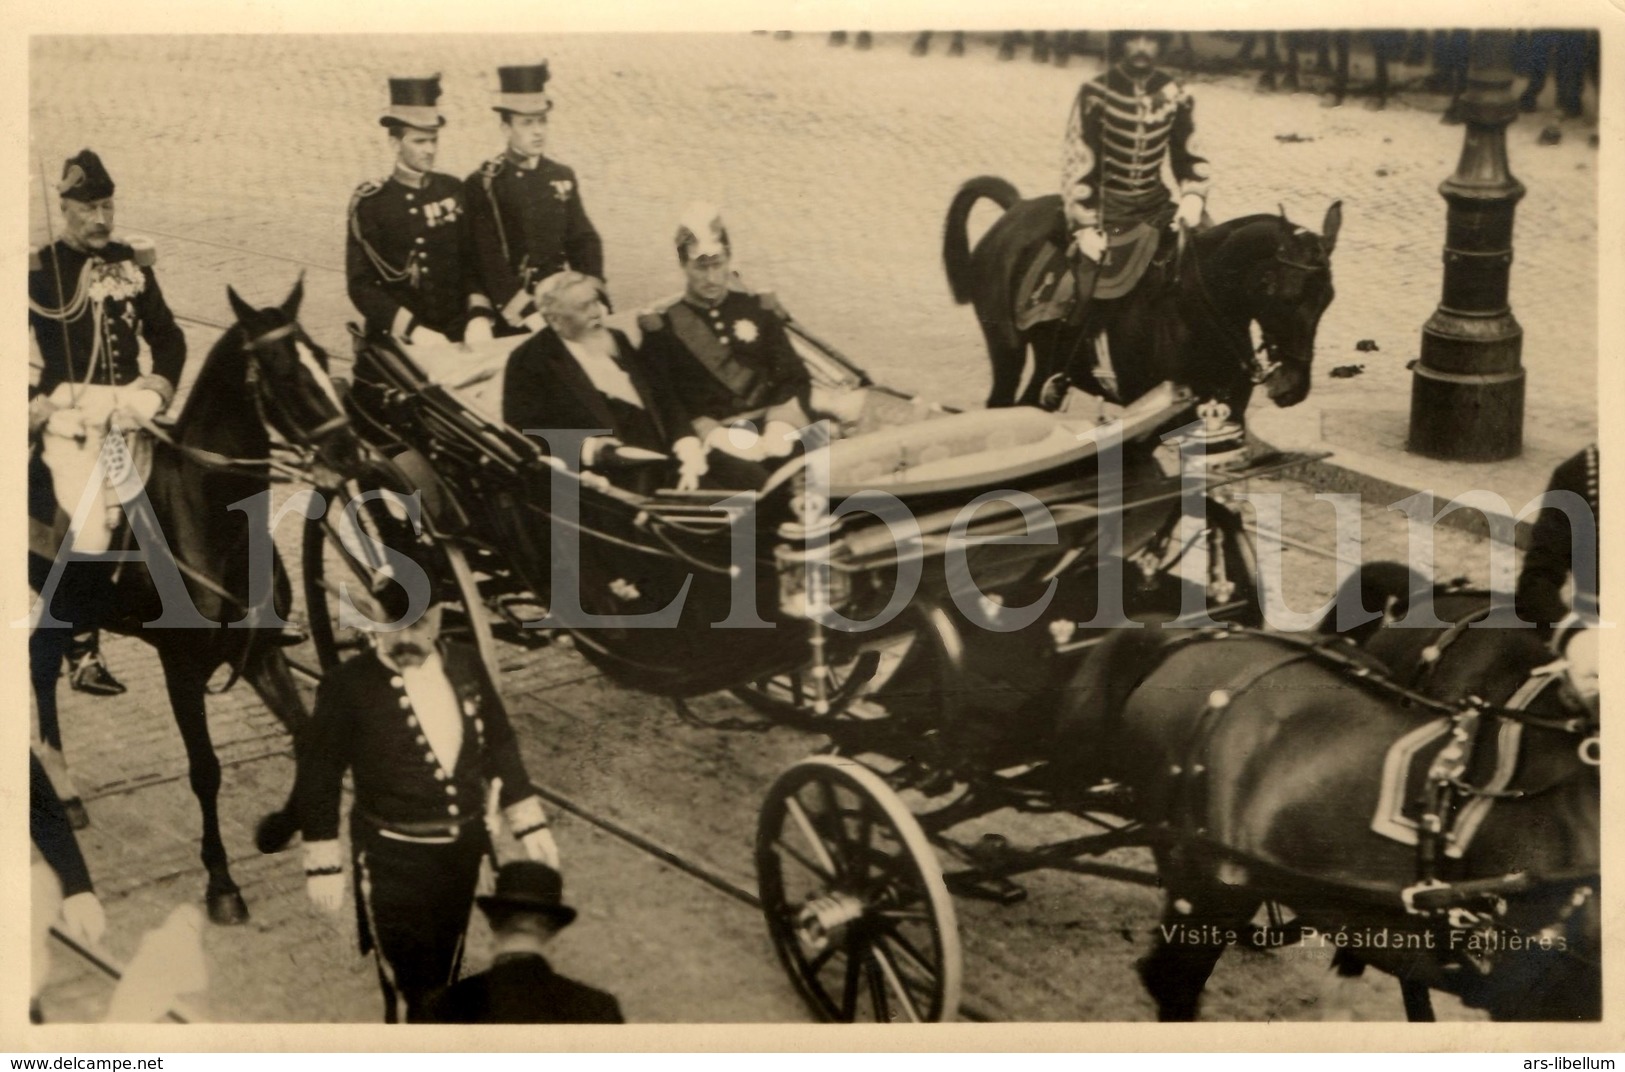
{"points": [[408, 258], [425, 739], [92, 302], [526, 218]]}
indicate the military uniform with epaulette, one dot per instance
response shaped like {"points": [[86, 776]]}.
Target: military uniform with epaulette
{"points": [[726, 362], [407, 256]]}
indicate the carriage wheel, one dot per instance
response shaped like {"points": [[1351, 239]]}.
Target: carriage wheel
{"points": [[854, 897], [862, 674], [335, 553]]}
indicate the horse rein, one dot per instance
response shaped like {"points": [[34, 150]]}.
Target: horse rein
{"points": [[1257, 371], [277, 334]]}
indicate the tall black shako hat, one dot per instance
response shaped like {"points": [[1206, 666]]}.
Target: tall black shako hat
{"points": [[528, 886], [523, 90], [84, 178], [412, 103], [1117, 39]]}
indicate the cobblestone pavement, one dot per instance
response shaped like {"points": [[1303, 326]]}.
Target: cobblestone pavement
{"points": [[834, 169]]}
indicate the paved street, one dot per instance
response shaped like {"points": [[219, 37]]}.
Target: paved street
{"points": [[834, 169]]}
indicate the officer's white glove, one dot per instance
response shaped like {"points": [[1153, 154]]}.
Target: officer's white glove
{"points": [[39, 412], [592, 446], [83, 919], [478, 330], [1190, 211], [422, 336], [68, 423], [691, 462], [1091, 242], [739, 440], [778, 440], [324, 874], [529, 824], [141, 404]]}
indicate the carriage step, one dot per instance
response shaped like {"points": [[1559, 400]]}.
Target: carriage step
{"points": [[995, 888]]}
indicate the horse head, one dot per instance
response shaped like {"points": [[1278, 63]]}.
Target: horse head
{"points": [[1288, 292], [287, 373]]}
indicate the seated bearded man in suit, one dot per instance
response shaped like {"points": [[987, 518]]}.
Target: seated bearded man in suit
{"points": [[578, 373]]}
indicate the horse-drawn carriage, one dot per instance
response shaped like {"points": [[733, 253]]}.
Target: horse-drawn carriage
{"points": [[920, 589]]}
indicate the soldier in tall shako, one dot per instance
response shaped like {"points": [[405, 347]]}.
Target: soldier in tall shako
{"points": [[430, 751], [92, 302], [408, 255], [525, 213]]}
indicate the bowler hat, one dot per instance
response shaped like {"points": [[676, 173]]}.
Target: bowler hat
{"points": [[523, 90], [529, 886], [412, 103], [84, 178]]}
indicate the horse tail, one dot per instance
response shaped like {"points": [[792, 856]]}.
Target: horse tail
{"points": [[1385, 587], [955, 238]]}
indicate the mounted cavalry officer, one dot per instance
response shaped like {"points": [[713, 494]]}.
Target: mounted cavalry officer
{"points": [[1551, 560], [91, 302], [430, 751], [525, 212], [1125, 126], [408, 258], [726, 351]]}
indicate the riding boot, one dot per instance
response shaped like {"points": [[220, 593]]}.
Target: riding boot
{"points": [[87, 672]]}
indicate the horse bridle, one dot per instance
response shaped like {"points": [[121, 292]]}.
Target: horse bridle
{"points": [[1256, 371], [311, 437]]}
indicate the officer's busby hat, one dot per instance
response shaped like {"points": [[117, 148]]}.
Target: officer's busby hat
{"points": [[1118, 38], [529, 886], [412, 104], [700, 233], [84, 178], [523, 90]]}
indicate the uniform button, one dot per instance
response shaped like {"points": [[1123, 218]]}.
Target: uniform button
{"points": [[451, 790], [413, 210], [405, 702], [422, 739], [439, 775], [397, 681], [452, 809], [420, 240], [411, 197]]}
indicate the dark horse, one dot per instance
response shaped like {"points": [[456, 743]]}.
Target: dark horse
{"points": [[264, 370], [1259, 761], [1193, 328]]}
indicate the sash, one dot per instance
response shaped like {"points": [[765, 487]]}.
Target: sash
{"points": [[708, 350]]}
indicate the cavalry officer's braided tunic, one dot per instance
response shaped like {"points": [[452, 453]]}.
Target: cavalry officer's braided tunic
{"points": [[526, 221], [416, 826], [408, 250], [1118, 136]]}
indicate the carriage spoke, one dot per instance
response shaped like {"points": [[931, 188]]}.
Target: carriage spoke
{"points": [[877, 989], [849, 995], [908, 949], [799, 816], [812, 866], [896, 983]]}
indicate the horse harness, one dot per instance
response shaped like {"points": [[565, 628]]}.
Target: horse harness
{"points": [[1257, 371], [1446, 786]]}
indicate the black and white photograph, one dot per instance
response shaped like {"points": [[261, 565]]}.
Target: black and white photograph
{"points": [[941, 517]]}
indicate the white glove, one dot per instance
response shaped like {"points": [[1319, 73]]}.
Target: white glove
{"points": [[326, 886], [422, 336], [478, 330], [67, 423], [1190, 211], [540, 846], [39, 412], [83, 919], [691, 462], [142, 404], [778, 440], [1091, 242], [740, 441], [592, 446]]}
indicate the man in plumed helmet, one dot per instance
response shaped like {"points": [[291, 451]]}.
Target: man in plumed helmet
{"points": [[526, 217], [1125, 125], [408, 258], [726, 351], [416, 723], [92, 302]]}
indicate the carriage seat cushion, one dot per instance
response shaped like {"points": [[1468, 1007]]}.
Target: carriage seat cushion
{"points": [[473, 376]]}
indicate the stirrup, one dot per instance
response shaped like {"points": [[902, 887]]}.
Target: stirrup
{"points": [[90, 675]]}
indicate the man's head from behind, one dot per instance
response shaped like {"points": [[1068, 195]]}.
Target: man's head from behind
{"points": [[87, 201], [572, 303], [528, 907]]}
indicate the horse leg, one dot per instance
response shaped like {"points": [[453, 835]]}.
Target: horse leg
{"points": [[45, 650], [269, 674], [1007, 352], [1176, 970], [185, 676], [1337, 992], [1418, 1001]]}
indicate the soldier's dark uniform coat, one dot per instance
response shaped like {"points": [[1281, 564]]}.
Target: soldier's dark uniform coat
{"points": [[725, 361], [524, 989], [1550, 559], [1118, 136], [417, 831], [527, 222], [409, 248], [90, 328]]}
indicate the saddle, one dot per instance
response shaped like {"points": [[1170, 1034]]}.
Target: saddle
{"points": [[61, 471], [1050, 285]]}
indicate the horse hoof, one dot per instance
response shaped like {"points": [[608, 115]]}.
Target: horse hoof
{"points": [[78, 817], [274, 832], [227, 909]]}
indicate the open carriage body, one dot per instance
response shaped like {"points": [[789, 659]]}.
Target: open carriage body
{"points": [[917, 585]]}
